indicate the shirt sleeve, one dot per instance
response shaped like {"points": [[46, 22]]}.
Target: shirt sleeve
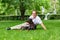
{"points": [[39, 20]]}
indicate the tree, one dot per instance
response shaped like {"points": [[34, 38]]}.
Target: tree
{"points": [[23, 5], [10, 6], [22, 8]]}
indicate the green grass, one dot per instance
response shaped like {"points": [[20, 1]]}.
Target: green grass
{"points": [[52, 32]]}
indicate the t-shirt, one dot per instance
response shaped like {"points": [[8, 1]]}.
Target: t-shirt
{"points": [[36, 20]]}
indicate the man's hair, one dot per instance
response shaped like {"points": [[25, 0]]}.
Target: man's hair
{"points": [[35, 11]]}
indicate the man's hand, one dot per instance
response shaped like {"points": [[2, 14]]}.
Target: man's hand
{"points": [[43, 26]]}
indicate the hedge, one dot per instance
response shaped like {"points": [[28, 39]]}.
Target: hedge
{"points": [[50, 17]]}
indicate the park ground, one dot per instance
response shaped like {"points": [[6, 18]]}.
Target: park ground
{"points": [[52, 32]]}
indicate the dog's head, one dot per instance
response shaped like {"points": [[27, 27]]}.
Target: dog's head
{"points": [[30, 21]]}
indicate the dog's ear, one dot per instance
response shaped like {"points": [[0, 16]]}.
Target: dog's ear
{"points": [[28, 21]]}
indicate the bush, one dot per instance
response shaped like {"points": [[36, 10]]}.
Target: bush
{"points": [[50, 17]]}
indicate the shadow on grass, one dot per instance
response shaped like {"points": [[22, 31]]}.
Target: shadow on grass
{"points": [[42, 28], [39, 28]]}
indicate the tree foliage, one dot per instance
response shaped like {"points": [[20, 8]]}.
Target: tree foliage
{"points": [[9, 7]]}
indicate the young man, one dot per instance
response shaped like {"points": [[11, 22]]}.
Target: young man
{"points": [[29, 25], [37, 20]]}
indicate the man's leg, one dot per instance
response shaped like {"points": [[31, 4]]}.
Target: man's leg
{"points": [[18, 27], [14, 27]]}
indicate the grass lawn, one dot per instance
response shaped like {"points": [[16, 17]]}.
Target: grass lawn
{"points": [[52, 32]]}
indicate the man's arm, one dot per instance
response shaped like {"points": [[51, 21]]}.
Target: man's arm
{"points": [[43, 26], [40, 22]]}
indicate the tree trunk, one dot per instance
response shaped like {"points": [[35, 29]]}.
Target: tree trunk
{"points": [[22, 9]]}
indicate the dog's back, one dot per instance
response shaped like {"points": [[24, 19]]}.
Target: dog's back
{"points": [[32, 25]]}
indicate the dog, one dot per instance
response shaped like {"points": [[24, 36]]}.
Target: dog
{"points": [[32, 25]]}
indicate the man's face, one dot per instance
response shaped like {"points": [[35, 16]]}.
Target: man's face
{"points": [[34, 14]]}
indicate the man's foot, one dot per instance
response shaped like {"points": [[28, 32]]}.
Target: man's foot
{"points": [[8, 28]]}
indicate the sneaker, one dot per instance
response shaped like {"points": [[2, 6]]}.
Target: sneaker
{"points": [[8, 28]]}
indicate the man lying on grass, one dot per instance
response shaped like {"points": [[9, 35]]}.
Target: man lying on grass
{"points": [[36, 19], [28, 25], [31, 24]]}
